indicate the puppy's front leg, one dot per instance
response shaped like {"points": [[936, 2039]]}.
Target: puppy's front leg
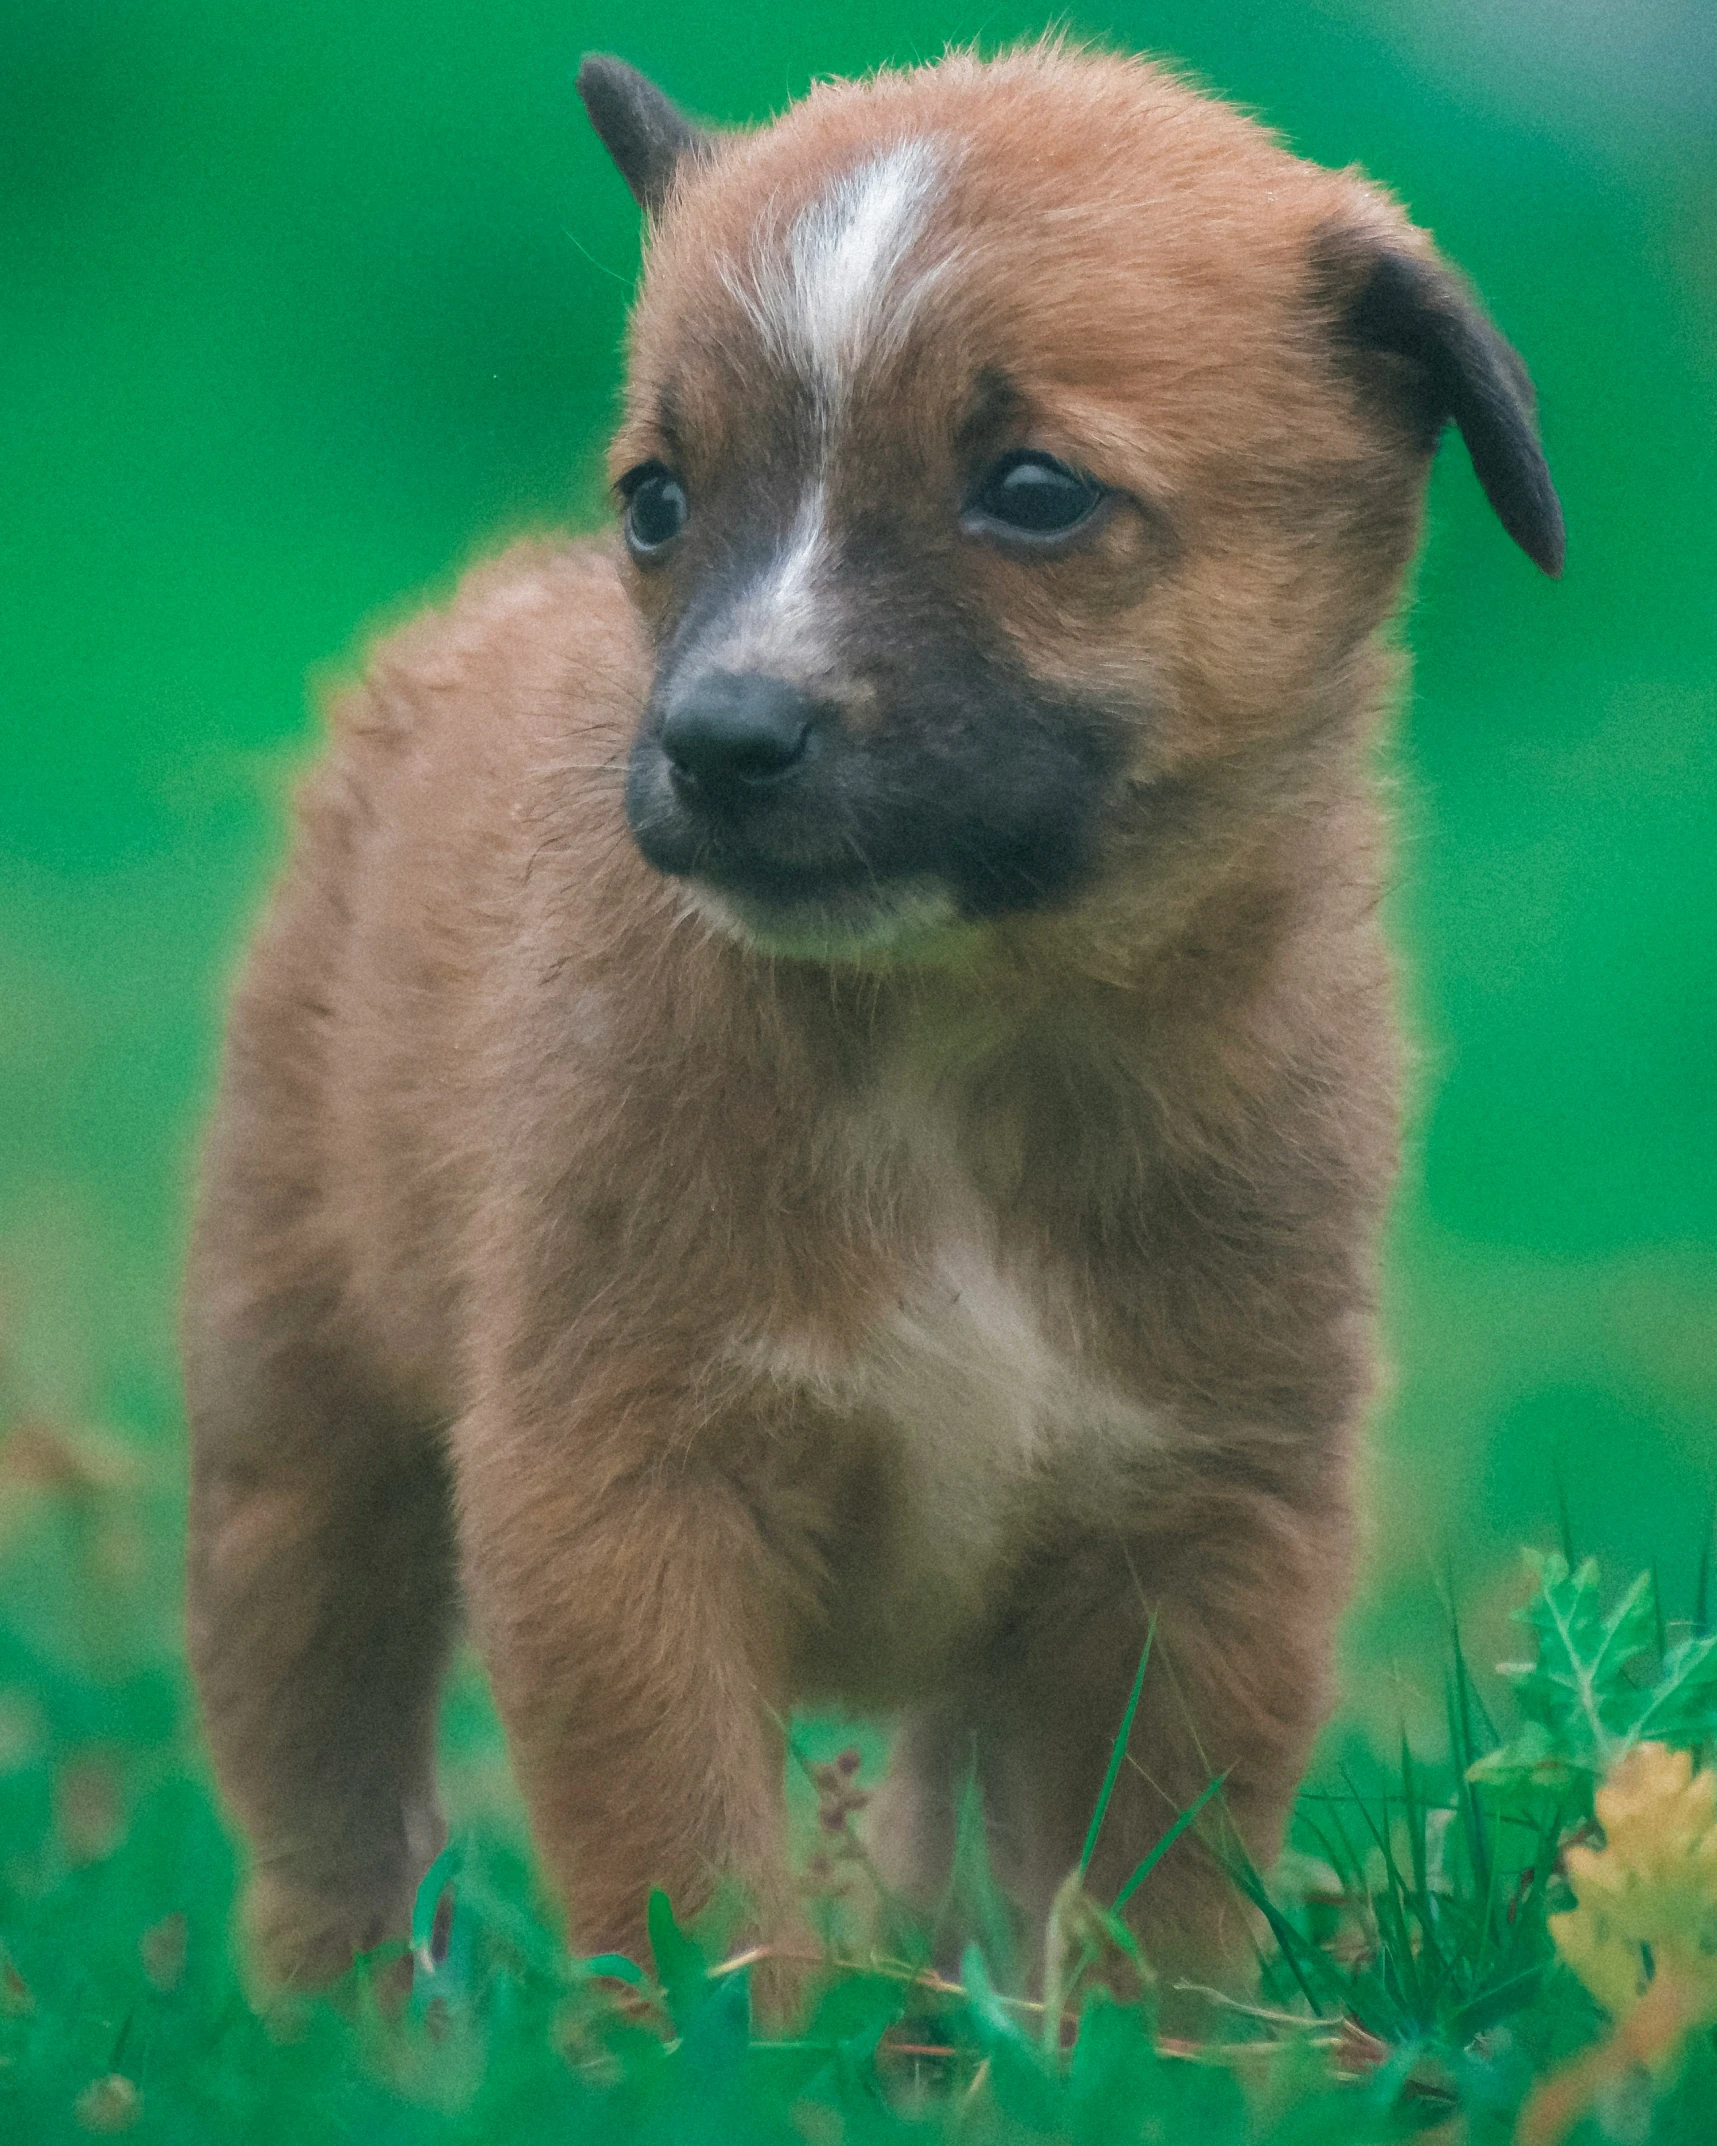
{"points": [[629, 1623], [1238, 1685]]}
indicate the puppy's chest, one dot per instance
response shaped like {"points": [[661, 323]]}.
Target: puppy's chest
{"points": [[977, 1375], [983, 1415]]}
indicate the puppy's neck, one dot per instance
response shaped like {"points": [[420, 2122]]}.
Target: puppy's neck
{"points": [[1080, 1022]]}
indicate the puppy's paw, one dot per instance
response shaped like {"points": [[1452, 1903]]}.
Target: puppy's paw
{"points": [[298, 1940]]}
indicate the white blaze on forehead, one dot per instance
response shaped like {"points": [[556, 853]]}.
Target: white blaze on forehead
{"points": [[777, 625], [836, 291]]}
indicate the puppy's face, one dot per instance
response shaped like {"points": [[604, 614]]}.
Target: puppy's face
{"points": [[1006, 448]]}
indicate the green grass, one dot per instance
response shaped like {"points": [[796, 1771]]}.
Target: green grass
{"points": [[1408, 1980]]}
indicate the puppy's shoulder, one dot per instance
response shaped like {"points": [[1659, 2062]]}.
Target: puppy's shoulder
{"points": [[540, 634], [423, 811], [461, 715]]}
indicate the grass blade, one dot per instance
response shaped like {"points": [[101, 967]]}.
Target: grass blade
{"points": [[1564, 1518], [1167, 1841], [1117, 1753], [1464, 1746]]}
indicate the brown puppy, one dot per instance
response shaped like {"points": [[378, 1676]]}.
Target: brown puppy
{"points": [[810, 1117]]}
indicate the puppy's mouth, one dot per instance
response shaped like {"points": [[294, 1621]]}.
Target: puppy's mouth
{"points": [[768, 881], [902, 843], [910, 920], [772, 856]]}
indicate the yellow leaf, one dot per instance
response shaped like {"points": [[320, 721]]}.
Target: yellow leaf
{"points": [[1647, 1900]]}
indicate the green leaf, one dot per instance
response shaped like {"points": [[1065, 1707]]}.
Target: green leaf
{"points": [[715, 2032], [1025, 2087], [1117, 2078], [847, 2081], [1577, 1701], [1582, 1702], [681, 1968], [1026, 2092], [991, 2019], [1534, 1757], [1682, 1706], [1112, 2059]]}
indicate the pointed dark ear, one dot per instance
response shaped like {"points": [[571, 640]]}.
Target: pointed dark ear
{"points": [[1442, 358], [644, 132]]}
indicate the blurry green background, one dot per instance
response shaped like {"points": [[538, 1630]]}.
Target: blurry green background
{"points": [[302, 305]]}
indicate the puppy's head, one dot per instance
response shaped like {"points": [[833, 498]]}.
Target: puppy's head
{"points": [[1007, 448]]}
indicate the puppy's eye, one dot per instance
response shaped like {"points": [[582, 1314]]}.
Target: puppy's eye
{"points": [[655, 507], [1027, 494]]}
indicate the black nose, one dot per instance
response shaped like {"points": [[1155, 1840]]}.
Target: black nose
{"points": [[736, 728]]}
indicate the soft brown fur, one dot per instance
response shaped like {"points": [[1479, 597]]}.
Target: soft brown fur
{"points": [[543, 1227]]}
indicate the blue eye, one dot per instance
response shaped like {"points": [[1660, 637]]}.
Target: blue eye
{"points": [[1033, 495], [655, 507]]}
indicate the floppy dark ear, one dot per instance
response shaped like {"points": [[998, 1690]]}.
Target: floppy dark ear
{"points": [[1454, 366], [644, 132]]}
